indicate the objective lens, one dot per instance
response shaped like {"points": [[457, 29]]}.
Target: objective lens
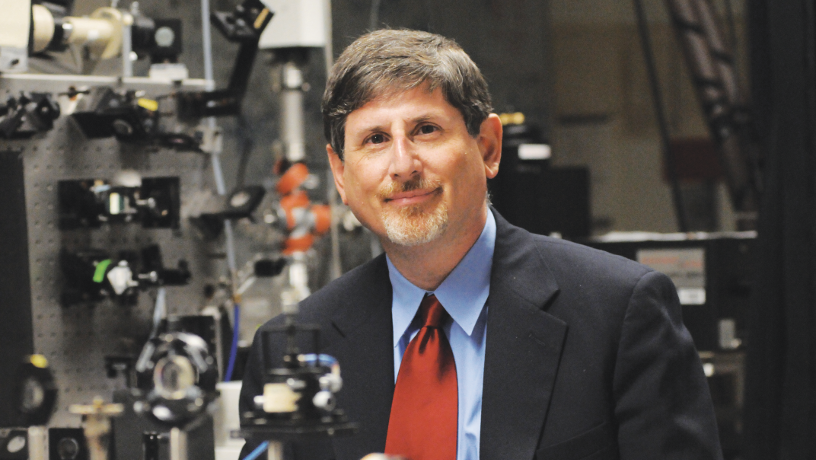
{"points": [[67, 448], [173, 376], [33, 395]]}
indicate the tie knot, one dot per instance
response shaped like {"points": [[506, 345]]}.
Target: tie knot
{"points": [[431, 312]]}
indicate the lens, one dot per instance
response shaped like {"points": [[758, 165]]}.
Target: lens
{"points": [[67, 448], [172, 377], [33, 395]]}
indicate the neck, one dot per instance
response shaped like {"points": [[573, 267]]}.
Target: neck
{"points": [[427, 265]]}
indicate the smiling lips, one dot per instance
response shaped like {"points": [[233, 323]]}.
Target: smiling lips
{"points": [[412, 197]]}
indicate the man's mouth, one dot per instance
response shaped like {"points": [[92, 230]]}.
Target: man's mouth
{"points": [[411, 197], [410, 193]]}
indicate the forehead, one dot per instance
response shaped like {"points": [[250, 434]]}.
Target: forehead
{"points": [[415, 103]]}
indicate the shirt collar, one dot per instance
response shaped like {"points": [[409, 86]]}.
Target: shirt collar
{"points": [[463, 293]]}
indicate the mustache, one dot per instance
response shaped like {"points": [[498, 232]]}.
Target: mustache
{"points": [[387, 191]]}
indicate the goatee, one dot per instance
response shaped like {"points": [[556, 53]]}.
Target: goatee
{"points": [[418, 224]]}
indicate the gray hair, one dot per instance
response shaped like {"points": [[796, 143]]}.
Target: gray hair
{"points": [[386, 62]]}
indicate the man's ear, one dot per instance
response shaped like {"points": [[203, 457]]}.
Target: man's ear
{"points": [[337, 167], [490, 144]]}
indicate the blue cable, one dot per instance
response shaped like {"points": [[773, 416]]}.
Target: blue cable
{"points": [[234, 347], [312, 359], [258, 451]]}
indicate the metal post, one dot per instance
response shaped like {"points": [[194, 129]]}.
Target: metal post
{"points": [[127, 44], [292, 112], [336, 267], [150, 442], [275, 450], [38, 443], [178, 444], [206, 40]]}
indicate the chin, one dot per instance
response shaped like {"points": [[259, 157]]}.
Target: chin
{"points": [[413, 226]]}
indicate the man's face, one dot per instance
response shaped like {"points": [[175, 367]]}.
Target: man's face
{"points": [[412, 173]]}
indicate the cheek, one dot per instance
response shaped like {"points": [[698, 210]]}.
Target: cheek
{"points": [[360, 187], [366, 175]]}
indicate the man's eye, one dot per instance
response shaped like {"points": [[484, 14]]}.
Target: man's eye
{"points": [[427, 129], [377, 139]]}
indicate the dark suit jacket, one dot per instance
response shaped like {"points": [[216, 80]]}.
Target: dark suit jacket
{"points": [[586, 358]]}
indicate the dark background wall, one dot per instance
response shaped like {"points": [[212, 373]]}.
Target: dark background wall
{"points": [[507, 39]]}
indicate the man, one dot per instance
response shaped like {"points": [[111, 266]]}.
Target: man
{"points": [[543, 348]]}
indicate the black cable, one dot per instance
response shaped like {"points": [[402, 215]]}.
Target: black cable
{"points": [[657, 98]]}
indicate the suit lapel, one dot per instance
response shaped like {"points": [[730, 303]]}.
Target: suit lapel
{"points": [[523, 347], [365, 353]]}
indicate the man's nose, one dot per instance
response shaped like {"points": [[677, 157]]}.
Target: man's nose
{"points": [[404, 162]]}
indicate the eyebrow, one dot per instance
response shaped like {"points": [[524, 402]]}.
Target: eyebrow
{"points": [[414, 121]]}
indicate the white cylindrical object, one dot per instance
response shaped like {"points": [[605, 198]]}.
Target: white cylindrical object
{"points": [[127, 49], [226, 417], [292, 107], [299, 275], [87, 30], [292, 113], [178, 444], [112, 46], [38, 443], [324, 400], [43, 27]]}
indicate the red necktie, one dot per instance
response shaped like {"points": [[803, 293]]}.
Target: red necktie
{"points": [[424, 411]]}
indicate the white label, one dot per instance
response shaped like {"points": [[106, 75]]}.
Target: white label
{"points": [[692, 296], [534, 152]]}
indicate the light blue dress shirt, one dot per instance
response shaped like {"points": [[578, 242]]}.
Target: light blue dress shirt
{"points": [[463, 294]]}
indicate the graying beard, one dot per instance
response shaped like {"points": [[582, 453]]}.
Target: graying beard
{"points": [[403, 231]]}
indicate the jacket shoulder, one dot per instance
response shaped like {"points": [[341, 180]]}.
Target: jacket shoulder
{"points": [[593, 262]]}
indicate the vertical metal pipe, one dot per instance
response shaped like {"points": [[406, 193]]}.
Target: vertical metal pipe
{"points": [[178, 444], [206, 43], [657, 99], [275, 451], [336, 267], [292, 112], [220, 186], [127, 45], [38, 443]]}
